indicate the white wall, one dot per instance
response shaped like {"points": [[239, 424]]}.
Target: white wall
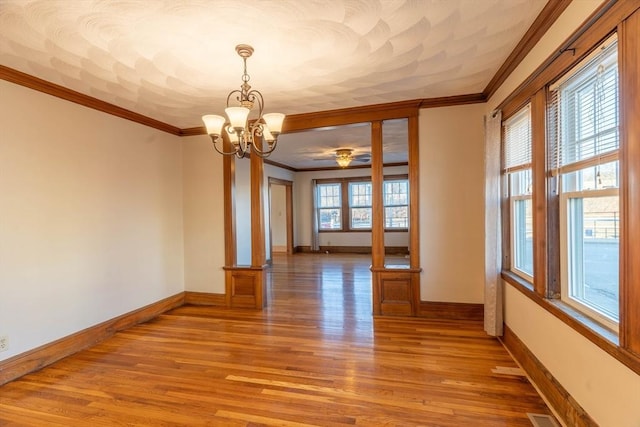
{"points": [[303, 206], [203, 199], [604, 387], [451, 204], [90, 217]]}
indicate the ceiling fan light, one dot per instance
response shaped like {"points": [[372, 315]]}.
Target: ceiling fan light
{"points": [[274, 122], [237, 116], [213, 123], [343, 161]]}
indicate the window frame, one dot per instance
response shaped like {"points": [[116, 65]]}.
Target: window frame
{"points": [[350, 184], [346, 214], [510, 169], [565, 273], [320, 208], [622, 18], [386, 205]]}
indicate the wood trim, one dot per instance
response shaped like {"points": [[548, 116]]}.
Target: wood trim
{"points": [[289, 210], [564, 405], [245, 286], [539, 196], [26, 80], [338, 168], [629, 54], [229, 183], [280, 165], [204, 298], [396, 292], [388, 250], [450, 101], [377, 203], [194, 131], [347, 116], [414, 193], [600, 24], [451, 310], [49, 353], [257, 212], [549, 14]]}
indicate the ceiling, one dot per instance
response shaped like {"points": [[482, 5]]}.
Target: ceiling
{"points": [[175, 60]]}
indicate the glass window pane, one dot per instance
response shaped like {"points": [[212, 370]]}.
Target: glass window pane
{"points": [[329, 195], [523, 236], [593, 178], [330, 219], [361, 218], [593, 252], [360, 194], [396, 193], [396, 217], [520, 183]]}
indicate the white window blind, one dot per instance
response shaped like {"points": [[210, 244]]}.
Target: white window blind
{"points": [[583, 112], [517, 141]]}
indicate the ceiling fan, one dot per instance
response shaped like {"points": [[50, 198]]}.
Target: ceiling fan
{"points": [[344, 157]]}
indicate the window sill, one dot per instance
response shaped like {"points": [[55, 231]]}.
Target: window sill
{"points": [[603, 337]]}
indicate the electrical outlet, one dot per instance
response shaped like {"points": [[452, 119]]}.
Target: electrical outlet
{"points": [[4, 343]]}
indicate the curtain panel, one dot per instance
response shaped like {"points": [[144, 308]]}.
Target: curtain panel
{"points": [[493, 285]]}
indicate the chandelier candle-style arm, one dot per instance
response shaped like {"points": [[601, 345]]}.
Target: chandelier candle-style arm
{"points": [[214, 125], [241, 132]]}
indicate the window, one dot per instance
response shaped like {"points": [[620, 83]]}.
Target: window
{"points": [[330, 206], [396, 204], [585, 160], [360, 205], [517, 171], [346, 204]]}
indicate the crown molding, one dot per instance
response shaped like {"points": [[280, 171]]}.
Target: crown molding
{"points": [[449, 101], [547, 17], [26, 80]]}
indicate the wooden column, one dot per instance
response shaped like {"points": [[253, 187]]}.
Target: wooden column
{"points": [[246, 285], [377, 178], [414, 194], [396, 289]]}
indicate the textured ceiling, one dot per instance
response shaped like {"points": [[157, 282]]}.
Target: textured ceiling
{"points": [[175, 60]]}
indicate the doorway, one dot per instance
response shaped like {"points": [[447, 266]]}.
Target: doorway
{"points": [[280, 239]]}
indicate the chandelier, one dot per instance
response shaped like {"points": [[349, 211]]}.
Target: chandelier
{"points": [[242, 133]]}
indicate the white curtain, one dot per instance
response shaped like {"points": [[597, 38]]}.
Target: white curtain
{"points": [[493, 310], [315, 237]]}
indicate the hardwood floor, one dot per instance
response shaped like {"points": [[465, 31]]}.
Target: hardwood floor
{"points": [[315, 356]]}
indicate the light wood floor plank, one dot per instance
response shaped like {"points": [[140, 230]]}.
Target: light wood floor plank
{"points": [[313, 357]]}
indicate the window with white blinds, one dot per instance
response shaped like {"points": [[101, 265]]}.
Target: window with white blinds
{"points": [[583, 121], [517, 168], [517, 141], [586, 132]]}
